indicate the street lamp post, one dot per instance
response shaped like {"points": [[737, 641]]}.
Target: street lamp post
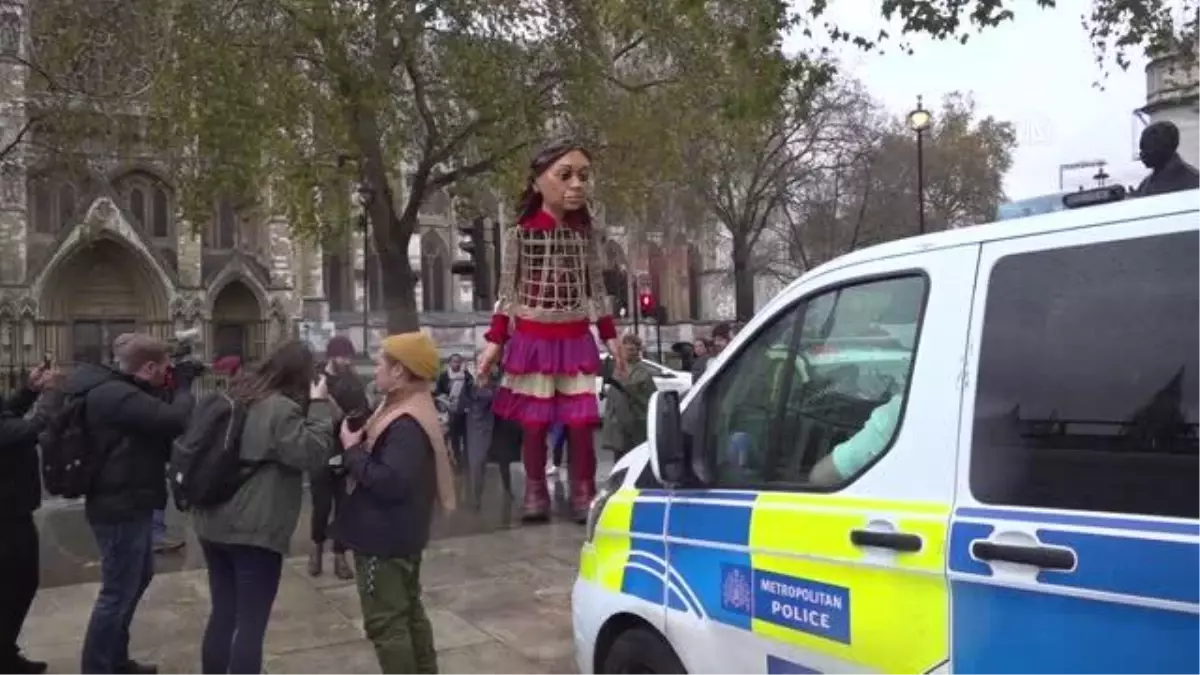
{"points": [[366, 195], [919, 120]]}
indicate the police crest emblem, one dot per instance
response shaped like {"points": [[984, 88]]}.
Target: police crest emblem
{"points": [[736, 594]]}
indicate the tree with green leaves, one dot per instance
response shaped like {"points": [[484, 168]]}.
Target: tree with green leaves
{"points": [[264, 98], [83, 68], [1118, 29]]}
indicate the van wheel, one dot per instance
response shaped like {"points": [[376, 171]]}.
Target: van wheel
{"points": [[638, 650]]}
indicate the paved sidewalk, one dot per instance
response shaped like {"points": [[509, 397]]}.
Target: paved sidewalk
{"points": [[499, 602]]}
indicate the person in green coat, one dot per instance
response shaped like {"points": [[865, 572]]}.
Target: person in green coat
{"points": [[288, 431], [628, 402]]}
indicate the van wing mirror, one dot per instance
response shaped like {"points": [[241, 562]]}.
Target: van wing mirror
{"points": [[664, 432]]}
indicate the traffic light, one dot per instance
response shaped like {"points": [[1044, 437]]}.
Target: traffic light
{"points": [[646, 304], [475, 246]]}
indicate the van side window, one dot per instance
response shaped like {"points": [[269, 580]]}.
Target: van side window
{"points": [[815, 398], [1086, 393]]}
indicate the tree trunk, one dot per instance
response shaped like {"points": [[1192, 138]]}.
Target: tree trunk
{"points": [[391, 230], [743, 277], [399, 282]]}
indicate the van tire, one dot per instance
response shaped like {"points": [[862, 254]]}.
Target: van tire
{"points": [[639, 650]]}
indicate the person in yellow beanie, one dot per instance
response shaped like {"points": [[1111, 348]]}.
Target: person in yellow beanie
{"points": [[397, 465]]}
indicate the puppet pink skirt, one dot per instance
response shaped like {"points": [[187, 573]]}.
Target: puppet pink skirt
{"points": [[550, 372]]}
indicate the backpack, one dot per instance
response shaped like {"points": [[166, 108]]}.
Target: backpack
{"points": [[69, 460], [206, 467]]}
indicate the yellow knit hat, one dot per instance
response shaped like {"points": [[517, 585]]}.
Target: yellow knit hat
{"points": [[415, 351]]}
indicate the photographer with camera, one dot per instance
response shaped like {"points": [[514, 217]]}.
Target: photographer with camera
{"points": [[20, 496], [128, 426], [349, 394]]}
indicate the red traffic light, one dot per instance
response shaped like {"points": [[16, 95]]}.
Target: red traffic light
{"points": [[646, 303]]}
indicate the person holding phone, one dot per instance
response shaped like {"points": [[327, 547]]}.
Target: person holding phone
{"points": [[20, 496], [288, 431], [349, 394]]}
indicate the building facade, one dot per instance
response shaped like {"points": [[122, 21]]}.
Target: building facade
{"points": [[1173, 95], [98, 248]]}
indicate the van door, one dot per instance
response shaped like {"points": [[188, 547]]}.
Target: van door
{"points": [[817, 541], [1075, 545]]}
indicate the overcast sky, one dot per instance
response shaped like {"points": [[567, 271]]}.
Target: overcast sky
{"points": [[1036, 72]]}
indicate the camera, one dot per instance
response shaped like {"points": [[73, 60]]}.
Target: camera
{"points": [[182, 348], [183, 344]]}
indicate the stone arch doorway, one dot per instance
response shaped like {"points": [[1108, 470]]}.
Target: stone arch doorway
{"points": [[101, 290], [433, 273], [238, 328]]}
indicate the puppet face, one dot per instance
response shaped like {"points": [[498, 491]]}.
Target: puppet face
{"points": [[564, 186]]}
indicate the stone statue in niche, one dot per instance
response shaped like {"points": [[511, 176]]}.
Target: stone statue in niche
{"points": [[10, 34]]}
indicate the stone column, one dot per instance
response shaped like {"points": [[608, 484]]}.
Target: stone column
{"points": [[310, 260], [191, 248], [14, 221], [281, 263]]}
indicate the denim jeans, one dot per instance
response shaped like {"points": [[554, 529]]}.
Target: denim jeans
{"points": [[160, 526], [242, 581], [558, 441], [126, 567]]}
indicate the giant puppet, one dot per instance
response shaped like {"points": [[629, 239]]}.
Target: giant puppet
{"points": [[550, 292]]}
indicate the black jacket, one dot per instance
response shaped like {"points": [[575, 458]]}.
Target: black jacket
{"points": [[442, 386], [389, 512], [1174, 176], [348, 392], [132, 424], [20, 480]]}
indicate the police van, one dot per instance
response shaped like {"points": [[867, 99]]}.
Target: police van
{"points": [[972, 451]]}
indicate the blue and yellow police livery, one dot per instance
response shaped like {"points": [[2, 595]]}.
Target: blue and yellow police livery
{"points": [[968, 452]]}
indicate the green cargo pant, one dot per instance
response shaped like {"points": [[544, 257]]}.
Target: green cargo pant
{"points": [[393, 616]]}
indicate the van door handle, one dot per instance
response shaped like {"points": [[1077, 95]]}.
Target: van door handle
{"points": [[897, 541], [1045, 557]]}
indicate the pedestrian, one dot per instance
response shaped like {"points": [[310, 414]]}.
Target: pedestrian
{"points": [[550, 289], [132, 426], [397, 466], [628, 402], [288, 431], [489, 439], [722, 333], [451, 384], [702, 347], [325, 485], [558, 443], [20, 496]]}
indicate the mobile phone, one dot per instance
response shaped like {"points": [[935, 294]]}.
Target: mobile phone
{"points": [[357, 420]]}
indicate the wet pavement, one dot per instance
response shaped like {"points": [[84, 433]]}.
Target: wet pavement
{"points": [[69, 555], [499, 603]]}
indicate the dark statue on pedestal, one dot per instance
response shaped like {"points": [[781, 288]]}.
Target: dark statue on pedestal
{"points": [[1159, 147]]}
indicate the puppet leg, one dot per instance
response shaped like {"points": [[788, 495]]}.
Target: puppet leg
{"points": [[581, 467], [533, 456]]}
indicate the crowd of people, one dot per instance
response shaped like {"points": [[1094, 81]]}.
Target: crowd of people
{"points": [[377, 470], [385, 468]]}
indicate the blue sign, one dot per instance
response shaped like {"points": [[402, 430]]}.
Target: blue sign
{"points": [[778, 666], [800, 604]]}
